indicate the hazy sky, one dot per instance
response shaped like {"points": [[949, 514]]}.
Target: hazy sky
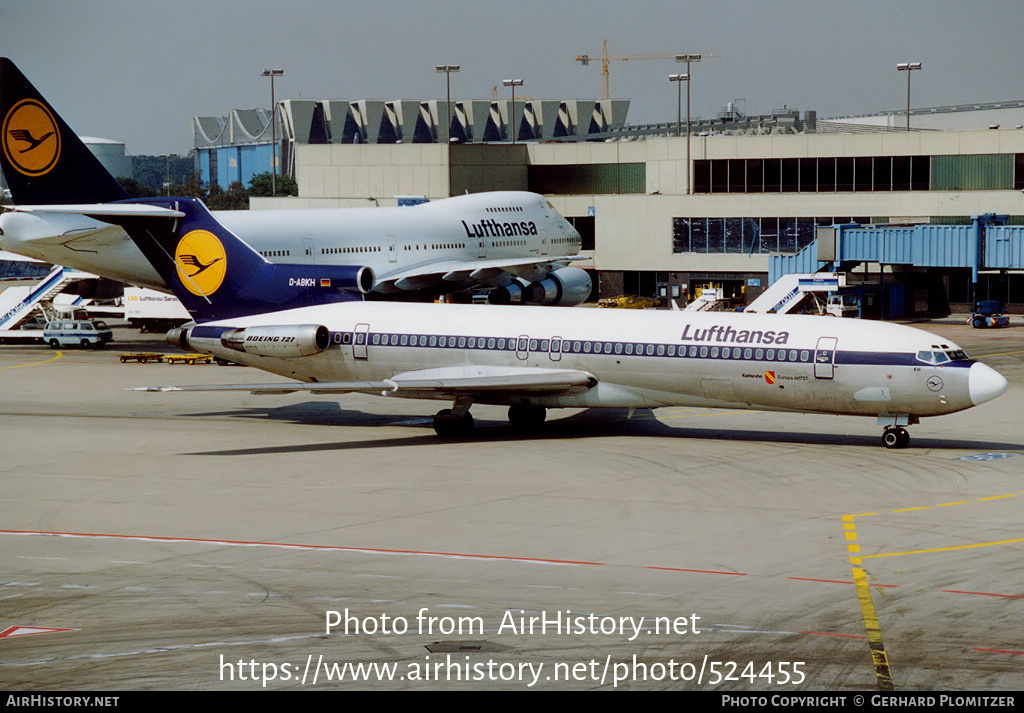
{"points": [[138, 70]]}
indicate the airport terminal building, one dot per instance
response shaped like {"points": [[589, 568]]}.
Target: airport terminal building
{"points": [[660, 218]]}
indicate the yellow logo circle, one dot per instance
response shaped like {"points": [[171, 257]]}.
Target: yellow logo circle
{"points": [[31, 139], [201, 262]]}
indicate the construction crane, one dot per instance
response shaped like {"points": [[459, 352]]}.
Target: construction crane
{"points": [[606, 59], [519, 97]]}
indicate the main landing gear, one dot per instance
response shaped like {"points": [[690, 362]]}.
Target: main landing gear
{"points": [[457, 422], [524, 417], [454, 422], [895, 437]]}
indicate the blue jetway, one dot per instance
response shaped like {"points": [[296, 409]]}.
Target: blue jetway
{"points": [[986, 244]]}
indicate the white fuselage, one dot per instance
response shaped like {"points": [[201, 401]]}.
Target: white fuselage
{"points": [[639, 358], [505, 232]]}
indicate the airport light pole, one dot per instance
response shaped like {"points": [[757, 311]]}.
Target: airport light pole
{"points": [[513, 83], [273, 127], [688, 58], [679, 79], [448, 69], [908, 67]]}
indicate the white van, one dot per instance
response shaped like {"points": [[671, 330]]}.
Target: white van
{"points": [[86, 332]]}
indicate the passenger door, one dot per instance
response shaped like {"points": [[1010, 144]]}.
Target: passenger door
{"points": [[825, 358], [359, 341]]}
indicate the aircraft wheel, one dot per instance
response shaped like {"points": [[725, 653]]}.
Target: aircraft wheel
{"points": [[448, 425], [896, 437], [525, 418]]}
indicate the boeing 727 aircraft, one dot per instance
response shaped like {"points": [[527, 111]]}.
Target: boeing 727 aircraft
{"points": [[513, 242], [532, 360]]}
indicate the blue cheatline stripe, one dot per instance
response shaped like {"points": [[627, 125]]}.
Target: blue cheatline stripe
{"points": [[892, 359], [727, 353], [201, 332], [804, 355]]}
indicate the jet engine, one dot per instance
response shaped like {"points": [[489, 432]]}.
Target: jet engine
{"points": [[566, 286], [178, 336], [510, 294], [285, 341]]}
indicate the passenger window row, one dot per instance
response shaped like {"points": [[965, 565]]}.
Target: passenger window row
{"points": [[579, 347]]}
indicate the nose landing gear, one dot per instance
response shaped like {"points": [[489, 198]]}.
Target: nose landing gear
{"points": [[895, 437]]}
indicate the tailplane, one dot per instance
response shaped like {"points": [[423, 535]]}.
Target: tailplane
{"points": [[43, 160]]}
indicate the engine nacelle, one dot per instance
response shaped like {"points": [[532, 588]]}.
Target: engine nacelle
{"points": [[284, 341], [566, 286], [511, 294], [178, 336], [365, 279]]}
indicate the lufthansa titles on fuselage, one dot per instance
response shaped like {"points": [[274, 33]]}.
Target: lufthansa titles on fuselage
{"points": [[493, 229], [724, 333]]}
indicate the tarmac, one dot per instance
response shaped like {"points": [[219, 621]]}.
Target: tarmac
{"points": [[211, 541]]}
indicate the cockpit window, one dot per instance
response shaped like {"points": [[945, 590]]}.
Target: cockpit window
{"points": [[929, 357], [944, 355]]}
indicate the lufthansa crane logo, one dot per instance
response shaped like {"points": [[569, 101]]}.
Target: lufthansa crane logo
{"points": [[201, 262], [31, 139]]}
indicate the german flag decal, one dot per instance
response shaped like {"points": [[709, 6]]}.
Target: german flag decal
{"points": [[769, 376]]}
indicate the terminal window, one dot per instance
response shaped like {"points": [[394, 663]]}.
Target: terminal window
{"points": [[749, 235], [821, 175]]}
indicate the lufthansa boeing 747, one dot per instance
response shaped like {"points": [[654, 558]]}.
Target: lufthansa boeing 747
{"points": [[512, 243]]}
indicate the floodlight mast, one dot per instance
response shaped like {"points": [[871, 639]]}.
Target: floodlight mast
{"points": [[908, 67], [512, 122], [273, 127], [688, 58], [448, 69]]}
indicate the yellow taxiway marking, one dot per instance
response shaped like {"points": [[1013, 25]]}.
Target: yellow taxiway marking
{"points": [[872, 627], [945, 549], [35, 363], [879, 659], [937, 505], [985, 356]]}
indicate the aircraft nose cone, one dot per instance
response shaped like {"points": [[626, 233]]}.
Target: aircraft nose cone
{"points": [[984, 383]]}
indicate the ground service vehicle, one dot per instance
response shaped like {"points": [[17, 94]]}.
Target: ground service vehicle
{"points": [[988, 313], [83, 332]]}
